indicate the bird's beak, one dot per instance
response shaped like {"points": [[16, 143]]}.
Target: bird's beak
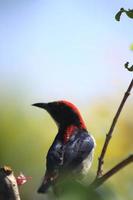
{"points": [[40, 105]]}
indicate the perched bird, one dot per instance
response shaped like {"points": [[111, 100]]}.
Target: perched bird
{"points": [[72, 148]]}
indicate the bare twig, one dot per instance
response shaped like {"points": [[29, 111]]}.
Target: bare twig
{"points": [[109, 135], [99, 181], [8, 185]]}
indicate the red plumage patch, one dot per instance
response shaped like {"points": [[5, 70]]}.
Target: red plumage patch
{"points": [[69, 132], [76, 110]]}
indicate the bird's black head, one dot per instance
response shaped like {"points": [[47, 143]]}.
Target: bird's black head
{"points": [[64, 113]]}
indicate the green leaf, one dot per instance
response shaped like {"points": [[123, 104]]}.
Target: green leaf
{"points": [[127, 67], [129, 13], [130, 68], [118, 14]]}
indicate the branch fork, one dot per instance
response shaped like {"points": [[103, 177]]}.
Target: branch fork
{"points": [[100, 177]]}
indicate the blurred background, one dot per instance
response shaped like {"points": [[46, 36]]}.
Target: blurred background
{"points": [[74, 50]]}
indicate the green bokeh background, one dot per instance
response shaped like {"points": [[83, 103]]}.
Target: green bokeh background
{"points": [[27, 132], [74, 50]]}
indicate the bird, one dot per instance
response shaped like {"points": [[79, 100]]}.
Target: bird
{"points": [[73, 146]]}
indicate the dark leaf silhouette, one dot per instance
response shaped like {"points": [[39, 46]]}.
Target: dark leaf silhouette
{"points": [[118, 14], [128, 12], [127, 67]]}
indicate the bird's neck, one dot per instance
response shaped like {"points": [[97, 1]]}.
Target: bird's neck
{"points": [[68, 131]]}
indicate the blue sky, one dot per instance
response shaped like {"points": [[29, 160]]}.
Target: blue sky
{"points": [[59, 49]]}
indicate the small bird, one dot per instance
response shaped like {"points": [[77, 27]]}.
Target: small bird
{"points": [[72, 148]]}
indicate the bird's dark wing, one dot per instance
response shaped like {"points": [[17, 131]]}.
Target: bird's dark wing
{"points": [[53, 164], [77, 150], [55, 156], [67, 156], [71, 154]]}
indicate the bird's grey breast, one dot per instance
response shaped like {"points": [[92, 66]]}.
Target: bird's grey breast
{"points": [[78, 151]]}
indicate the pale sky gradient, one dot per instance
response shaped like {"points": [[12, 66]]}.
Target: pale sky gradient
{"points": [[57, 49]]}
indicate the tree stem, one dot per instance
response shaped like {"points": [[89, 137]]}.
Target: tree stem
{"points": [[8, 185], [109, 135], [99, 181]]}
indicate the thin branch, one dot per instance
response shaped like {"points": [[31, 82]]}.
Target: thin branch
{"points": [[99, 181], [109, 135]]}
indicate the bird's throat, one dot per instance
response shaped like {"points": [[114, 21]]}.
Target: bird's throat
{"points": [[69, 132]]}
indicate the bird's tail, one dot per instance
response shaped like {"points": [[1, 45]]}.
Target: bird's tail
{"points": [[44, 186], [48, 181]]}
